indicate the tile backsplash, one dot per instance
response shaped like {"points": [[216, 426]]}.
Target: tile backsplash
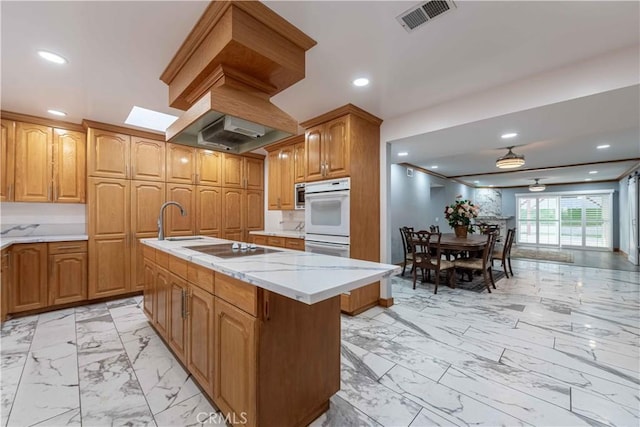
{"points": [[42, 219], [284, 220]]}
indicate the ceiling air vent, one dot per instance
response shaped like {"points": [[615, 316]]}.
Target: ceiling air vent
{"points": [[424, 12]]}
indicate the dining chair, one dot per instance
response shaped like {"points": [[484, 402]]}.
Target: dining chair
{"points": [[428, 256], [406, 248], [434, 228], [481, 264], [503, 253]]}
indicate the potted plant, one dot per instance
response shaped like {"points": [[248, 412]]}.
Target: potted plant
{"points": [[459, 215]]}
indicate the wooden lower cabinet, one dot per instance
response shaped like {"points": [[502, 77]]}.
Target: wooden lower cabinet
{"points": [[28, 289], [235, 361], [177, 336], [280, 242], [361, 299], [109, 266], [67, 278], [5, 283], [161, 303], [148, 305], [200, 330]]}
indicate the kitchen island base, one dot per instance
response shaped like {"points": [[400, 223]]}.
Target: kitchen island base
{"points": [[260, 356]]}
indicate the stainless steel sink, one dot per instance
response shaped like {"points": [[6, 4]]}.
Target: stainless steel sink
{"points": [[176, 239]]}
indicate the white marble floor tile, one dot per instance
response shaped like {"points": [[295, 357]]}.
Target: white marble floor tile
{"points": [[342, 414], [54, 328], [600, 354], [111, 395], [98, 339], [163, 380], [9, 380], [366, 362], [443, 402], [48, 387], [426, 418], [603, 410], [85, 312], [195, 411], [509, 400], [68, 419], [128, 317], [15, 341], [377, 401], [136, 334]]}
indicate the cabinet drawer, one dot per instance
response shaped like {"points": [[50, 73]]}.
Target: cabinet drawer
{"points": [[259, 240], [275, 241], [200, 276], [297, 244], [67, 247], [162, 259], [149, 253], [178, 266], [240, 294]]}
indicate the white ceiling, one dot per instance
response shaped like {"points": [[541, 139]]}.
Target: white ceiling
{"points": [[117, 51]]}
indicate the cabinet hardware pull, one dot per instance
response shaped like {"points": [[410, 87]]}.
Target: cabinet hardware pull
{"points": [[10, 191], [184, 311], [69, 247], [49, 193], [266, 309], [55, 192]]}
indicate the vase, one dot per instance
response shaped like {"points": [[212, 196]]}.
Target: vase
{"points": [[461, 231]]}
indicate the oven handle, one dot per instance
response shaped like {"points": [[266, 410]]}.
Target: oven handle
{"points": [[327, 195], [327, 245]]}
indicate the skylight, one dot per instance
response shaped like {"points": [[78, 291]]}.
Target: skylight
{"points": [[149, 119]]}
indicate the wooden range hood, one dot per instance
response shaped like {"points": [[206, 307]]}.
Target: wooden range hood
{"points": [[237, 56]]}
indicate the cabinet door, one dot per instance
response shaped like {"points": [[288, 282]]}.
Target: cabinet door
{"points": [[273, 164], [5, 283], [232, 210], [67, 278], [299, 160], [253, 173], [287, 165], [69, 158], [208, 210], [177, 338], [7, 158], [208, 167], [109, 237], [235, 360], [176, 224], [29, 282], [181, 164], [161, 303], [254, 210], [147, 159], [313, 152], [33, 158], [146, 199], [148, 302], [336, 148], [108, 154], [200, 357], [232, 173]]}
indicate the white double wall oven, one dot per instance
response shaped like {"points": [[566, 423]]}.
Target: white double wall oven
{"points": [[327, 222]]}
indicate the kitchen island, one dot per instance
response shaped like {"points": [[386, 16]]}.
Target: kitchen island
{"points": [[259, 329]]}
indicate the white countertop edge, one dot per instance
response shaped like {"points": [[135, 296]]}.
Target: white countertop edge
{"points": [[307, 298], [5, 242], [280, 233]]}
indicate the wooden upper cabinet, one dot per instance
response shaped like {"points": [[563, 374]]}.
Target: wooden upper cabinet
{"points": [[28, 286], [147, 159], [327, 150], [33, 163], [181, 164], [7, 139], [314, 166], [254, 207], [232, 210], [69, 159], [108, 154], [232, 171], [299, 161], [208, 210], [109, 207], [146, 199], [176, 224], [287, 165], [208, 167], [273, 164], [254, 173]]}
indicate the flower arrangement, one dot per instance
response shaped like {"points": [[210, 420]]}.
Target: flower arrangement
{"points": [[460, 213]]}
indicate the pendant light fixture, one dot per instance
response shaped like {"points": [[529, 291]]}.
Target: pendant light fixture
{"points": [[536, 186], [510, 160]]}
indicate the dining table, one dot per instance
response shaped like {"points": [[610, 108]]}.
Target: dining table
{"points": [[471, 243]]}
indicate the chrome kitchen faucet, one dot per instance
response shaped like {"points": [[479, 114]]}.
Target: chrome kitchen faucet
{"points": [[161, 217]]}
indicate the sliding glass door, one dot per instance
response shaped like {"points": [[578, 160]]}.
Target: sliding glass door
{"points": [[565, 220]]}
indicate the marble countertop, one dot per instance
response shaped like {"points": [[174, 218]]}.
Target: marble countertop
{"points": [[5, 242], [303, 276], [280, 233]]}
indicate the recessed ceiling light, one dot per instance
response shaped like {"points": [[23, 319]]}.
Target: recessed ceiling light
{"points": [[592, 172], [149, 119], [603, 146], [491, 185], [361, 81], [403, 153], [57, 113], [434, 167], [50, 56], [509, 135], [587, 179]]}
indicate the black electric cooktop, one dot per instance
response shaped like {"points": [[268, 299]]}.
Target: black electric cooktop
{"points": [[225, 250]]}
